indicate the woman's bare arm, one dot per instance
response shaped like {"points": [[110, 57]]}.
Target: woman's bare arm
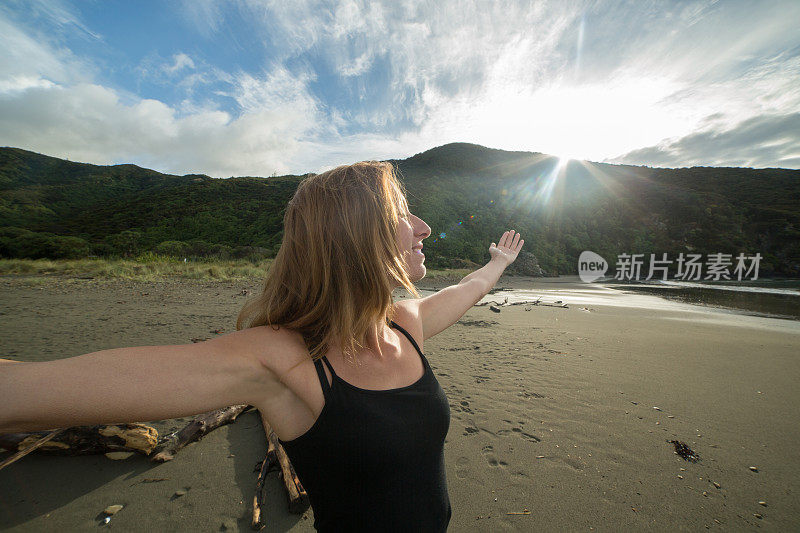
{"points": [[137, 384], [441, 310]]}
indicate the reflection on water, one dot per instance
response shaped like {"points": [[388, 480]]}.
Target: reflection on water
{"points": [[751, 303], [578, 294], [775, 299]]}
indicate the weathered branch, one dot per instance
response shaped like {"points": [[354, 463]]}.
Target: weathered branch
{"points": [[298, 498], [25, 451], [87, 440], [525, 302], [196, 429], [264, 467], [276, 457]]}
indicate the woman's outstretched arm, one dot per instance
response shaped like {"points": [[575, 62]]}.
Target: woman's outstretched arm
{"points": [[441, 310], [137, 384]]}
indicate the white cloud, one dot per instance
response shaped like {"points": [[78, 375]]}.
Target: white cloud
{"points": [[590, 80], [279, 89], [758, 142], [87, 122], [24, 57], [357, 67], [59, 15], [179, 62], [15, 84], [203, 15], [47, 105]]}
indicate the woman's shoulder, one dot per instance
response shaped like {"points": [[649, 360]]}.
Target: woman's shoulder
{"points": [[406, 315], [277, 348]]}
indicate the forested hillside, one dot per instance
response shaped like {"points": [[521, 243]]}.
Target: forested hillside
{"points": [[468, 194]]}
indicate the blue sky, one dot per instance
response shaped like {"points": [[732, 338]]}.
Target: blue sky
{"points": [[260, 87]]}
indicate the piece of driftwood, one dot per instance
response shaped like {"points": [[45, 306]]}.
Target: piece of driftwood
{"points": [[276, 455], [194, 430], [492, 303], [25, 451], [264, 467], [525, 302], [81, 440], [87, 440], [298, 498], [134, 437], [258, 498]]}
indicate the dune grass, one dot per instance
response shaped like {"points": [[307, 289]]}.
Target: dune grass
{"points": [[152, 267], [140, 269]]}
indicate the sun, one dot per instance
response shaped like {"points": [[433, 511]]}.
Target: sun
{"points": [[567, 155], [563, 161]]}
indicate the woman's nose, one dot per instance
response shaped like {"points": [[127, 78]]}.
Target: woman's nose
{"points": [[423, 229]]}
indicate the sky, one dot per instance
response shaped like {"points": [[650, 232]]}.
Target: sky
{"points": [[259, 88]]}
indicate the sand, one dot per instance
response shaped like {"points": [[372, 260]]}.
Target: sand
{"points": [[553, 410]]}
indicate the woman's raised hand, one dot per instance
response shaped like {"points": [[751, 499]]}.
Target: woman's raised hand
{"points": [[507, 249]]}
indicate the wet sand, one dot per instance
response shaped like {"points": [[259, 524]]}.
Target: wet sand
{"points": [[552, 411]]}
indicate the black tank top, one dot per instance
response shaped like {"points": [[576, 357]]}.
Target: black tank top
{"points": [[374, 459]]}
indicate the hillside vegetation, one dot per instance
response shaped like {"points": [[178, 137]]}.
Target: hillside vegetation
{"points": [[468, 195]]}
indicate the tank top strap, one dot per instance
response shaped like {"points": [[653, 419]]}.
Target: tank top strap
{"points": [[408, 336], [323, 379]]}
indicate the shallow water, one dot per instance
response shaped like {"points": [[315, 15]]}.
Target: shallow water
{"points": [[765, 298], [766, 305]]}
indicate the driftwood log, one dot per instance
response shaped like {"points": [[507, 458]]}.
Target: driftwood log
{"points": [[263, 469], [276, 459], [194, 430], [298, 498], [87, 440], [25, 451], [84, 440], [539, 302]]}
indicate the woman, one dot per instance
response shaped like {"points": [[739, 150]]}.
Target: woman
{"points": [[365, 431]]}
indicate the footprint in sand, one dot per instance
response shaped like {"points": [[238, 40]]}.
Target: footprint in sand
{"points": [[488, 453], [526, 394], [526, 436], [462, 467], [577, 465], [470, 430], [465, 407]]}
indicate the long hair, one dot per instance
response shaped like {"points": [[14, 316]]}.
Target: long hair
{"points": [[339, 261]]}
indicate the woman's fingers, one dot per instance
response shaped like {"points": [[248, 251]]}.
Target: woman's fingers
{"points": [[511, 240], [507, 238]]}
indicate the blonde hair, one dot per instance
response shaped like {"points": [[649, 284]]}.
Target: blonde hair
{"points": [[339, 261]]}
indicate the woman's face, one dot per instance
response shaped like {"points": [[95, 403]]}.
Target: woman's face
{"points": [[410, 233]]}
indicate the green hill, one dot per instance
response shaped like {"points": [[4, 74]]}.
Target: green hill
{"points": [[55, 208]]}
